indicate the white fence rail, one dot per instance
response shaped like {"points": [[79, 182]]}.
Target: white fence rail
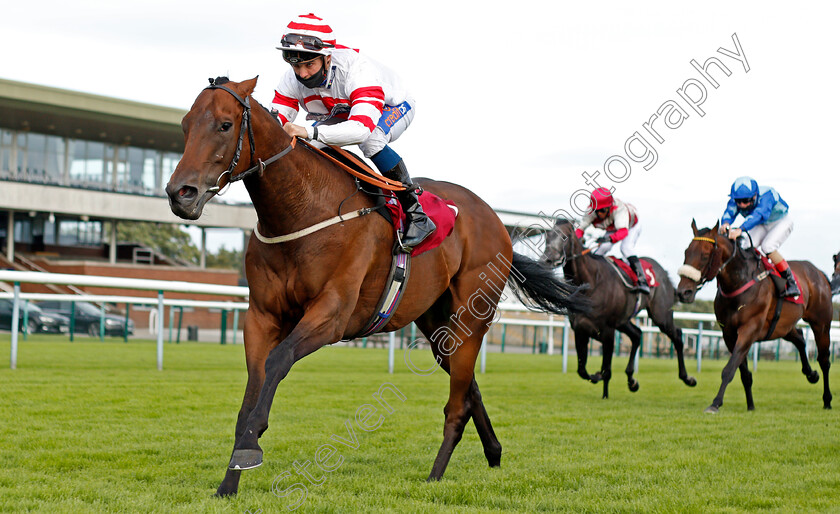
{"points": [[161, 286], [702, 336]]}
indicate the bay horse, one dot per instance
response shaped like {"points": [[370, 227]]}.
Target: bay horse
{"points": [[749, 310], [612, 307], [323, 287]]}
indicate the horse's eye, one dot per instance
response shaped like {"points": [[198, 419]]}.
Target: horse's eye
{"points": [[225, 126]]}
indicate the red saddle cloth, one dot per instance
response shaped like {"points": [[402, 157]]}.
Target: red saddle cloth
{"points": [[771, 268], [442, 212], [650, 275]]}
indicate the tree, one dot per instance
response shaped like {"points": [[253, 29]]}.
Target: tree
{"points": [[226, 259], [169, 240]]}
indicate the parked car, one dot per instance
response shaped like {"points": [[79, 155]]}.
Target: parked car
{"points": [[87, 318], [37, 320]]}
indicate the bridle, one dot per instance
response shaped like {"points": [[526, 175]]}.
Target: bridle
{"points": [[244, 126], [707, 270]]}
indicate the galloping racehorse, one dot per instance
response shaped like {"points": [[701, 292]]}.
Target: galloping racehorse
{"points": [[835, 276], [613, 305], [749, 309], [323, 284]]}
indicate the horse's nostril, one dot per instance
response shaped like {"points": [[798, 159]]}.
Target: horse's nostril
{"points": [[187, 192]]}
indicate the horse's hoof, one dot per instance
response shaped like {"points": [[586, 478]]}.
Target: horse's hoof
{"points": [[633, 385], [245, 459], [223, 494], [690, 381], [711, 409], [595, 378], [814, 377], [827, 407]]}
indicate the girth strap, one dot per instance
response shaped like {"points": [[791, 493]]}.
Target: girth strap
{"points": [[391, 296], [775, 320]]}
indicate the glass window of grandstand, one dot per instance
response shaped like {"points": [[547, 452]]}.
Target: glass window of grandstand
{"points": [[137, 170], [170, 161], [6, 153], [88, 163], [80, 233], [40, 158]]}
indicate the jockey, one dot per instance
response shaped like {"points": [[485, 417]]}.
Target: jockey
{"points": [[621, 222], [347, 92], [765, 220]]}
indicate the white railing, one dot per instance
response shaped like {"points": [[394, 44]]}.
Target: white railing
{"points": [[161, 286], [550, 322]]}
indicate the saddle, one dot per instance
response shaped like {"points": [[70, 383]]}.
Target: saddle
{"points": [[629, 276], [442, 212], [778, 281]]}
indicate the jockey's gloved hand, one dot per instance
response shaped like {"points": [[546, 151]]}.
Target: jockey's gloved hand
{"points": [[603, 239]]}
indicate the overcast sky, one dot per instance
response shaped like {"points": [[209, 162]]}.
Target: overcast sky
{"points": [[514, 101]]}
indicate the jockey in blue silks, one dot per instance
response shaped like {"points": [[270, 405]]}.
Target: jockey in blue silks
{"points": [[767, 221]]}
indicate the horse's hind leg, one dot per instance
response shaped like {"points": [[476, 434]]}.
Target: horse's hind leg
{"points": [[459, 407], [747, 381], [581, 348], [796, 337], [456, 352], [635, 335], [821, 334], [492, 447], [663, 317]]}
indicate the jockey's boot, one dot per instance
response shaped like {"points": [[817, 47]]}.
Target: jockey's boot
{"points": [[791, 289], [641, 283], [420, 226]]}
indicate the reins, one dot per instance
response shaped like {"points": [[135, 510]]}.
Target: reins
{"points": [[376, 180], [705, 279]]}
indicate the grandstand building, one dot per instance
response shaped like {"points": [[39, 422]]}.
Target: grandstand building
{"points": [[73, 166]]}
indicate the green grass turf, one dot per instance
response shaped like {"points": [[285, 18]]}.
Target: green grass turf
{"points": [[94, 427]]}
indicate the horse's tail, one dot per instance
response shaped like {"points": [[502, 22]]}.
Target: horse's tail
{"points": [[537, 287]]}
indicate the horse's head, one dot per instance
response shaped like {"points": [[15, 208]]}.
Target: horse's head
{"points": [[703, 259], [214, 131], [558, 243], [835, 277]]}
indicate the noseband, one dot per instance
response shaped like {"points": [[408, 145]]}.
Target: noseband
{"points": [[245, 125], [708, 268]]}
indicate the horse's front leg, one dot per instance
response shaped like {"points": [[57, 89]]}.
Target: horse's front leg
{"points": [[261, 335], [322, 323], [607, 338], [739, 348]]}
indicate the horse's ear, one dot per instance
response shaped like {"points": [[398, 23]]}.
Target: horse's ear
{"points": [[715, 228], [248, 86], [694, 226]]}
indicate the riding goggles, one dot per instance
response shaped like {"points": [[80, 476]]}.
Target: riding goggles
{"points": [[307, 42]]}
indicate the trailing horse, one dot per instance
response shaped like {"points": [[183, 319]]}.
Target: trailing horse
{"points": [[613, 305], [749, 309], [323, 282]]}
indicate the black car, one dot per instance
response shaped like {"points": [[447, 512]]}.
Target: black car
{"points": [[87, 318], [37, 320]]}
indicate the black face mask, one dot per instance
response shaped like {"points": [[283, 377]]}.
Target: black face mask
{"points": [[315, 80]]}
